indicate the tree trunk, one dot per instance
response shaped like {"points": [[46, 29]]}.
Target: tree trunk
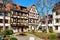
{"points": [[4, 21], [46, 19]]}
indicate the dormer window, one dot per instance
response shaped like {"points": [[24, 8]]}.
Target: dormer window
{"points": [[14, 6], [1, 5]]}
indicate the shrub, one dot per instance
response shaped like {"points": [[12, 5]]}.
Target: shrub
{"points": [[13, 38], [10, 32], [6, 38], [58, 34], [44, 30], [51, 30], [7, 32], [52, 36]]}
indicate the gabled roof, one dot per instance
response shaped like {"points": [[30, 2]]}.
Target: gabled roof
{"points": [[56, 6], [30, 7]]}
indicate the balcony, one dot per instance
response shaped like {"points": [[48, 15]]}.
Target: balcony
{"points": [[24, 11], [23, 17], [1, 24], [43, 25], [19, 24], [57, 16], [32, 23], [48, 24], [34, 17], [57, 24], [24, 24], [7, 17], [1, 17], [7, 24], [14, 16]]}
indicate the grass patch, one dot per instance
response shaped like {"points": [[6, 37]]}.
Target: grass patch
{"points": [[46, 35], [43, 34], [29, 32], [40, 35]]}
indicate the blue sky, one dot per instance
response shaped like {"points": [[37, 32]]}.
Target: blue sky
{"points": [[24, 2], [27, 3]]}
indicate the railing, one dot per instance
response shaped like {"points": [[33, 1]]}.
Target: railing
{"points": [[26, 17], [19, 24], [57, 16]]}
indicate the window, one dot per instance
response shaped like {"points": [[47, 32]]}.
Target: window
{"points": [[43, 22], [33, 9], [24, 14], [21, 20], [1, 5], [1, 20], [6, 14], [30, 20], [19, 14], [14, 28], [57, 20], [14, 13], [56, 27], [57, 13], [1, 14], [6, 27], [25, 20], [40, 28], [6, 21], [50, 21], [14, 19], [33, 21], [14, 6], [18, 20]]}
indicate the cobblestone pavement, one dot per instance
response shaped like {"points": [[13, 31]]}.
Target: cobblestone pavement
{"points": [[27, 37]]}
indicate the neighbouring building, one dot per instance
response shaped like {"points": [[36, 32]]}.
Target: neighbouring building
{"points": [[53, 19], [56, 17], [50, 22], [13, 16], [33, 17], [4, 16], [19, 18]]}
